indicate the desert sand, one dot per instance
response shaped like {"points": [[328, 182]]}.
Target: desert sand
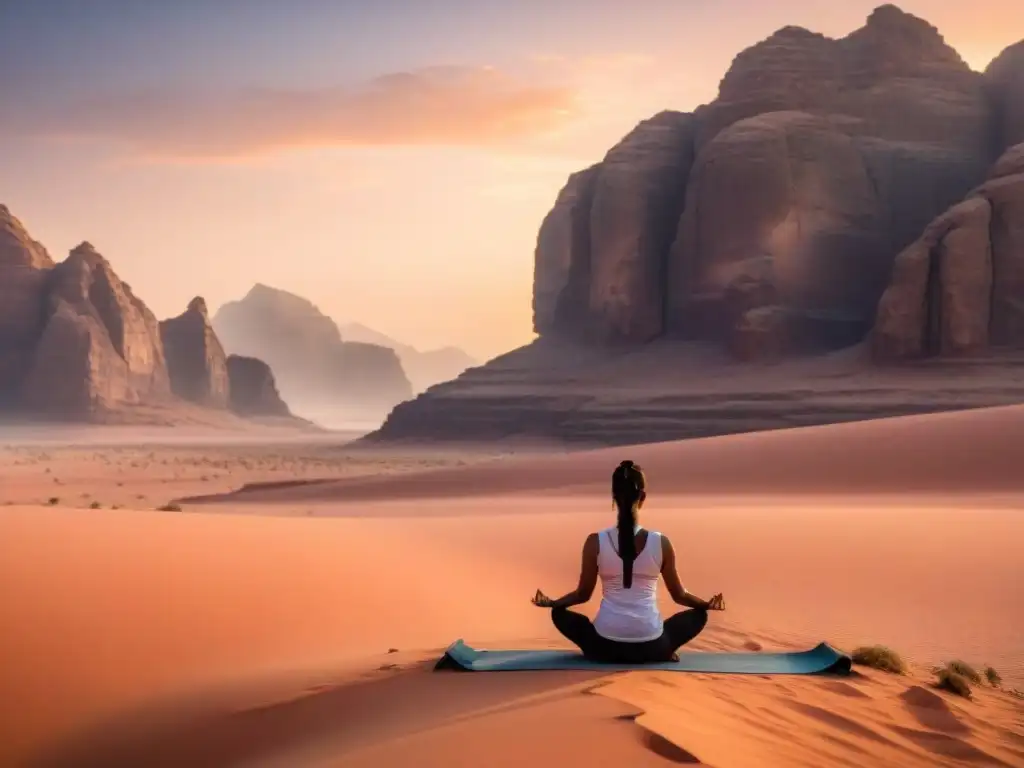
{"points": [[297, 625]]}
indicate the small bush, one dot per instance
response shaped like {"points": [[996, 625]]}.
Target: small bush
{"points": [[951, 680], [880, 657], [95, 505], [965, 670], [993, 677], [54, 501], [169, 508]]}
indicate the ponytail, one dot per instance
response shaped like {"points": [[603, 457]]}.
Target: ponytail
{"points": [[627, 487]]}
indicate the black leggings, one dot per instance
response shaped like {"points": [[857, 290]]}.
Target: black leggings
{"points": [[678, 630]]}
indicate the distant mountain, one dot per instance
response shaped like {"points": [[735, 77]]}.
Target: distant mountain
{"points": [[424, 368], [316, 370]]}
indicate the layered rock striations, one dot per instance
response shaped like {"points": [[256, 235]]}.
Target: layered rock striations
{"points": [[836, 191]]}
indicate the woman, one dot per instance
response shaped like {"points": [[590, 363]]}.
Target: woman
{"points": [[628, 628]]}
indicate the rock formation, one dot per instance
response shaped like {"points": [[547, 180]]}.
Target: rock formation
{"points": [[76, 343], [425, 368], [253, 389], [959, 288], [195, 358], [100, 346], [1005, 76], [313, 367], [24, 268], [836, 190], [780, 206]]}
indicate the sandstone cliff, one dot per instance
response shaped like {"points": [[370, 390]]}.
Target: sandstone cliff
{"points": [[959, 288], [836, 191], [774, 213], [77, 344], [100, 347], [315, 369], [1005, 76], [24, 269], [195, 358], [253, 389]]}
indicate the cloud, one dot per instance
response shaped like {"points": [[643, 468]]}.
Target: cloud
{"points": [[456, 106]]}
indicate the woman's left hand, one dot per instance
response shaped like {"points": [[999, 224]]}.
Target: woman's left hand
{"points": [[542, 601]]}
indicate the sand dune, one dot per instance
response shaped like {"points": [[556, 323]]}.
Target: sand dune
{"points": [[965, 451], [220, 637]]}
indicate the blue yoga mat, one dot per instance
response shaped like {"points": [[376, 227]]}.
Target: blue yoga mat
{"points": [[823, 659]]}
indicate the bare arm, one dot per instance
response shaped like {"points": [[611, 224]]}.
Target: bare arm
{"points": [[588, 576], [672, 582]]}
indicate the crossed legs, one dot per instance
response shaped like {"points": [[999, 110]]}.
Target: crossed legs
{"points": [[679, 629]]}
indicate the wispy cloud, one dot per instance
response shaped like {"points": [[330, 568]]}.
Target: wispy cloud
{"points": [[458, 106]]}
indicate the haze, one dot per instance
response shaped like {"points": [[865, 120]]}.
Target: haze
{"points": [[390, 160]]}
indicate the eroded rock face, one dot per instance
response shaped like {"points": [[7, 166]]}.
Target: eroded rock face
{"points": [[561, 277], [196, 363], [253, 389], [789, 192], [1005, 76], [638, 195], [24, 267], [101, 345], [959, 288], [826, 157]]}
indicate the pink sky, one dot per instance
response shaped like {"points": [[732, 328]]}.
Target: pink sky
{"points": [[390, 164]]}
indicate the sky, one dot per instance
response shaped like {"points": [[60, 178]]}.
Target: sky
{"points": [[390, 160]]}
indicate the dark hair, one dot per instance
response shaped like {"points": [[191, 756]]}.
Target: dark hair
{"points": [[628, 485]]}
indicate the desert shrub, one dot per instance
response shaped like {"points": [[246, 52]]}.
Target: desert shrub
{"points": [[965, 670], [95, 505], [948, 679], [993, 677], [54, 501], [169, 508], [880, 657]]}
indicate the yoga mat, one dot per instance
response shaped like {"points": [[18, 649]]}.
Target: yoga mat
{"points": [[823, 659]]}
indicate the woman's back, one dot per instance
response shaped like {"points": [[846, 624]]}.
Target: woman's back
{"points": [[632, 614]]}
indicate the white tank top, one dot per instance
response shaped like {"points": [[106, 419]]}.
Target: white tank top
{"points": [[629, 615]]}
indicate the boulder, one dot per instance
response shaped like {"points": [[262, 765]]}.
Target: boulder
{"points": [[196, 362], [253, 389], [101, 345]]}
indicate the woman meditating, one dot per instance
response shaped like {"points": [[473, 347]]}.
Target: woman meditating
{"points": [[628, 628]]}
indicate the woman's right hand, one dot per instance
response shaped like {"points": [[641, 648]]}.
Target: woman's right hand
{"points": [[541, 600], [716, 603]]}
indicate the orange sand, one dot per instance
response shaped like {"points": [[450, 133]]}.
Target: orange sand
{"points": [[256, 631]]}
